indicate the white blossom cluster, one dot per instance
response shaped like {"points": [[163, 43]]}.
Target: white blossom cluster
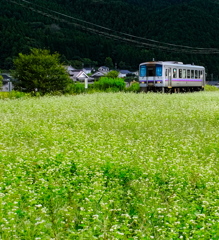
{"points": [[110, 166]]}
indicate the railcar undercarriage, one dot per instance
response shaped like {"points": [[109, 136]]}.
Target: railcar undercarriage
{"points": [[171, 90]]}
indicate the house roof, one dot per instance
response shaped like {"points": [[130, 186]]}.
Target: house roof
{"points": [[88, 68], [98, 74], [78, 74], [125, 71], [6, 77], [70, 68], [104, 67]]}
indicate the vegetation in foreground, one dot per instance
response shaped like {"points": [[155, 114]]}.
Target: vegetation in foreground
{"points": [[110, 166], [79, 88]]}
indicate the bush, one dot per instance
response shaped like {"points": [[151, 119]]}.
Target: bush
{"points": [[13, 94], [135, 87], [76, 88], [105, 83], [210, 88], [112, 74]]}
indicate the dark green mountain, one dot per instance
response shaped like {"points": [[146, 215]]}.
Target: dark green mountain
{"points": [[128, 31]]}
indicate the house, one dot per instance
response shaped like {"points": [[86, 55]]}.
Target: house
{"points": [[78, 75], [7, 85], [69, 70], [97, 75], [124, 73], [88, 70], [103, 69], [135, 73]]}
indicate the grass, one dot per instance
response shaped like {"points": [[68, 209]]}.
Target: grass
{"points": [[110, 166], [211, 88], [13, 95]]}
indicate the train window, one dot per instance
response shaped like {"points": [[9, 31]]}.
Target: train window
{"points": [[184, 73], [150, 71], [196, 73], [180, 73], [188, 73], [201, 74], [192, 73], [174, 73], [159, 70], [143, 71], [166, 73]]}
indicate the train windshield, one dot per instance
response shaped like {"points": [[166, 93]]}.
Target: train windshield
{"points": [[143, 71], [151, 70], [158, 70]]}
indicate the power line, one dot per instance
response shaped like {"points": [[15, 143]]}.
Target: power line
{"points": [[110, 33]]}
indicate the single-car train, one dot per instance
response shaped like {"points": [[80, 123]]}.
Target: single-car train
{"points": [[170, 76]]}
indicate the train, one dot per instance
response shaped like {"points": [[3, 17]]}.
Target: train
{"points": [[171, 76]]}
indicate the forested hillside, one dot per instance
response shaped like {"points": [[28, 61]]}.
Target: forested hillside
{"points": [[91, 30]]}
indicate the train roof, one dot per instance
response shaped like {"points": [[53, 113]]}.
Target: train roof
{"points": [[173, 63]]}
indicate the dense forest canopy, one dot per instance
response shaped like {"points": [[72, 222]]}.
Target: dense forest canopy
{"points": [[83, 29]]}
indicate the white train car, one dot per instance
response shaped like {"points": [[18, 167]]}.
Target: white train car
{"points": [[169, 76]]}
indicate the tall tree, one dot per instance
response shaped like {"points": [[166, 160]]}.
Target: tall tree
{"points": [[41, 71], [109, 62]]}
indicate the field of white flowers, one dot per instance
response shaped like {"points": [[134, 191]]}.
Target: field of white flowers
{"points": [[110, 166]]}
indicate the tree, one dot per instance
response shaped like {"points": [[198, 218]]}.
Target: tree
{"points": [[122, 65], [109, 62], [41, 71], [112, 74]]}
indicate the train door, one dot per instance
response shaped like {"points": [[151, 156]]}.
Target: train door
{"points": [[169, 75]]}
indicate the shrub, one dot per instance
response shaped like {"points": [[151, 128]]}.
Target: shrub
{"points": [[112, 74], [13, 94], [115, 84], [76, 88], [210, 88], [135, 87]]}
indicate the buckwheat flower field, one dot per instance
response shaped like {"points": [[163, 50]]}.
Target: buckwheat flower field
{"points": [[110, 166]]}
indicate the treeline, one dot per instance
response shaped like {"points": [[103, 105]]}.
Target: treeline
{"points": [[192, 23]]}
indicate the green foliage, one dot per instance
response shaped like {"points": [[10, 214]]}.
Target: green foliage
{"points": [[89, 63], [13, 95], [211, 88], [76, 88], [134, 87], [110, 166], [76, 64], [40, 71], [112, 74], [110, 84], [108, 62]]}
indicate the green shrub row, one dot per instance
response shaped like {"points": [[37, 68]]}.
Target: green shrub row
{"points": [[210, 88], [13, 94], [105, 84]]}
